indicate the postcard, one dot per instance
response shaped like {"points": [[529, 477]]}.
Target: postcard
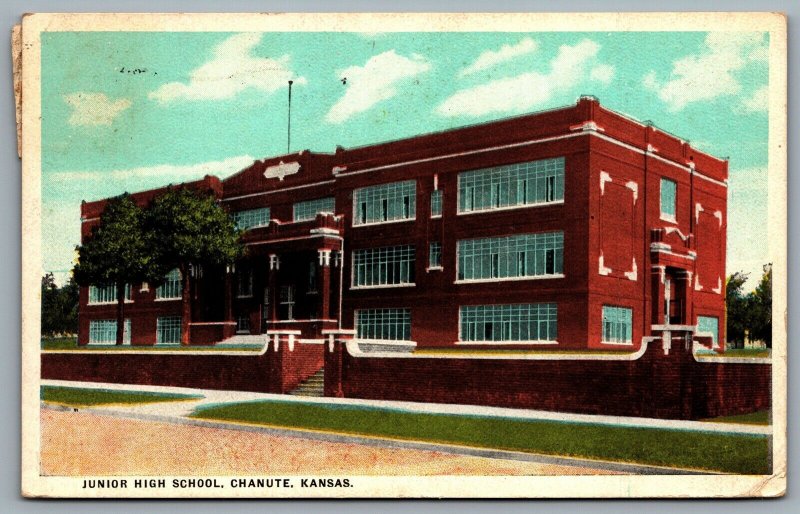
{"points": [[403, 255]]}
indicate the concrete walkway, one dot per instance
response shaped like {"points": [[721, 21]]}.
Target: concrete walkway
{"points": [[182, 409]]}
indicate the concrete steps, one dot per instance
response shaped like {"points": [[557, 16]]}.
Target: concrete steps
{"points": [[312, 386], [244, 339]]}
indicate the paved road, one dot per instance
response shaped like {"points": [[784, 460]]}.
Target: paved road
{"points": [[92, 443]]}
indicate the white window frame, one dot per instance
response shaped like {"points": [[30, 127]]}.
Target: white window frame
{"points": [[507, 325], [326, 205], [383, 267], [665, 216], [408, 207], [173, 277], [109, 326], [627, 342], [431, 253], [108, 291], [714, 337], [510, 241], [172, 320], [259, 217], [397, 312]]}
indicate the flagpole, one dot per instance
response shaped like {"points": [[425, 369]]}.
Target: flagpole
{"points": [[289, 127]]}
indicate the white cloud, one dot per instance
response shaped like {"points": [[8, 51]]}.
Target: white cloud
{"points": [[603, 73], [164, 172], [374, 82], [758, 101], [231, 70], [491, 58], [710, 73], [91, 109], [521, 92]]}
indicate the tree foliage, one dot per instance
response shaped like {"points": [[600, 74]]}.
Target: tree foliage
{"points": [[749, 314], [59, 307]]}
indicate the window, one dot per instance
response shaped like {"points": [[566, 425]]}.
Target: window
{"points": [[251, 219], [617, 325], [107, 294], [243, 325], [286, 310], [436, 203], [392, 324], [385, 202], [668, 199], [308, 210], [517, 256], [709, 325], [171, 288], [435, 255], [383, 266], [104, 331], [312, 277], [168, 330], [245, 284], [527, 322], [515, 185]]}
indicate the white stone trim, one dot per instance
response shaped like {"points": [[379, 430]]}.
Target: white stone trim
{"points": [[506, 279], [673, 230], [633, 186], [718, 289], [718, 215], [508, 208], [281, 170], [261, 193], [383, 286], [602, 269], [604, 177], [632, 274], [697, 286], [698, 208]]}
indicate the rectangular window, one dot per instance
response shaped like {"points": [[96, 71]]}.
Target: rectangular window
{"points": [[436, 203], [171, 288], [383, 266], [385, 202], [391, 324], [245, 284], [168, 330], [104, 331], [668, 198], [252, 218], [107, 294], [617, 324], [309, 209], [435, 255], [709, 325], [517, 256], [243, 325], [516, 323], [515, 185]]}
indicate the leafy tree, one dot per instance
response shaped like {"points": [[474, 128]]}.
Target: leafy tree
{"points": [[737, 303], [59, 307], [191, 230], [118, 252], [49, 305], [761, 308]]}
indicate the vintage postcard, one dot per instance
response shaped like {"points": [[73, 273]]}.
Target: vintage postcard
{"points": [[408, 255]]}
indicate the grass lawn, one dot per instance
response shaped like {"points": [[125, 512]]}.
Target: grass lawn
{"points": [[455, 352], [66, 345], [743, 454], [77, 397], [742, 352], [754, 418], [59, 343]]}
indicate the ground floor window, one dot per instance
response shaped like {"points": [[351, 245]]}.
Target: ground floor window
{"points": [[104, 331], [709, 325], [168, 330], [617, 324], [243, 324], [528, 322], [392, 324]]}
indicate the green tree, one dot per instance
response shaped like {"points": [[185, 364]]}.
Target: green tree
{"points": [[761, 308], [118, 252], [737, 307], [49, 305], [191, 230]]}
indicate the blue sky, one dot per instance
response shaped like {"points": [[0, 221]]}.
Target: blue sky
{"points": [[125, 111]]}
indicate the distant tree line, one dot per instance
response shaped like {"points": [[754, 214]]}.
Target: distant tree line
{"points": [[749, 314], [59, 307]]}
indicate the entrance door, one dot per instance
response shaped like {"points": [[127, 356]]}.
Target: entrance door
{"points": [[673, 301], [286, 304]]}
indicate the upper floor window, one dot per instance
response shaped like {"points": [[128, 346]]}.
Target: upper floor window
{"points": [[309, 209], [668, 198], [251, 218], [436, 203], [515, 185], [391, 265], [517, 256], [617, 324], [107, 293], [171, 288], [385, 202], [435, 255]]}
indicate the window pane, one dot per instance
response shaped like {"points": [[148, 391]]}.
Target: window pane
{"points": [[514, 323], [171, 288], [104, 331], [384, 266], [709, 325], [308, 210], [391, 324], [668, 197], [436, 202], [168, 330], [107, 293], [252, 218], [617, 324], [385, 202], [521, 255]]}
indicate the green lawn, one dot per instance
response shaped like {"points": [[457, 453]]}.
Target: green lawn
{"points": [[59, 343], [72, 345], [741, 352], [78, 397], [754, 418], [743, 454]]}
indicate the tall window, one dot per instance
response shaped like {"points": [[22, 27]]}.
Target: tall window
{"points": [[385, 202], [668, 198], [617, 324], [383, 266], [435, 255], [252, 218], [245, 284], [168, 330], [436, 203], [515, 185], [517, 256], [171, 288], [392, 324], [527, 322], [243, 324], [107, 293], [308, 210], [104, 331], [709, 325]]}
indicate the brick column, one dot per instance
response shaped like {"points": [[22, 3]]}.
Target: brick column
{"points": [[657, 276], [281, 341], [335, 349], [324, 261], [228, 315], [274, 265]]}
